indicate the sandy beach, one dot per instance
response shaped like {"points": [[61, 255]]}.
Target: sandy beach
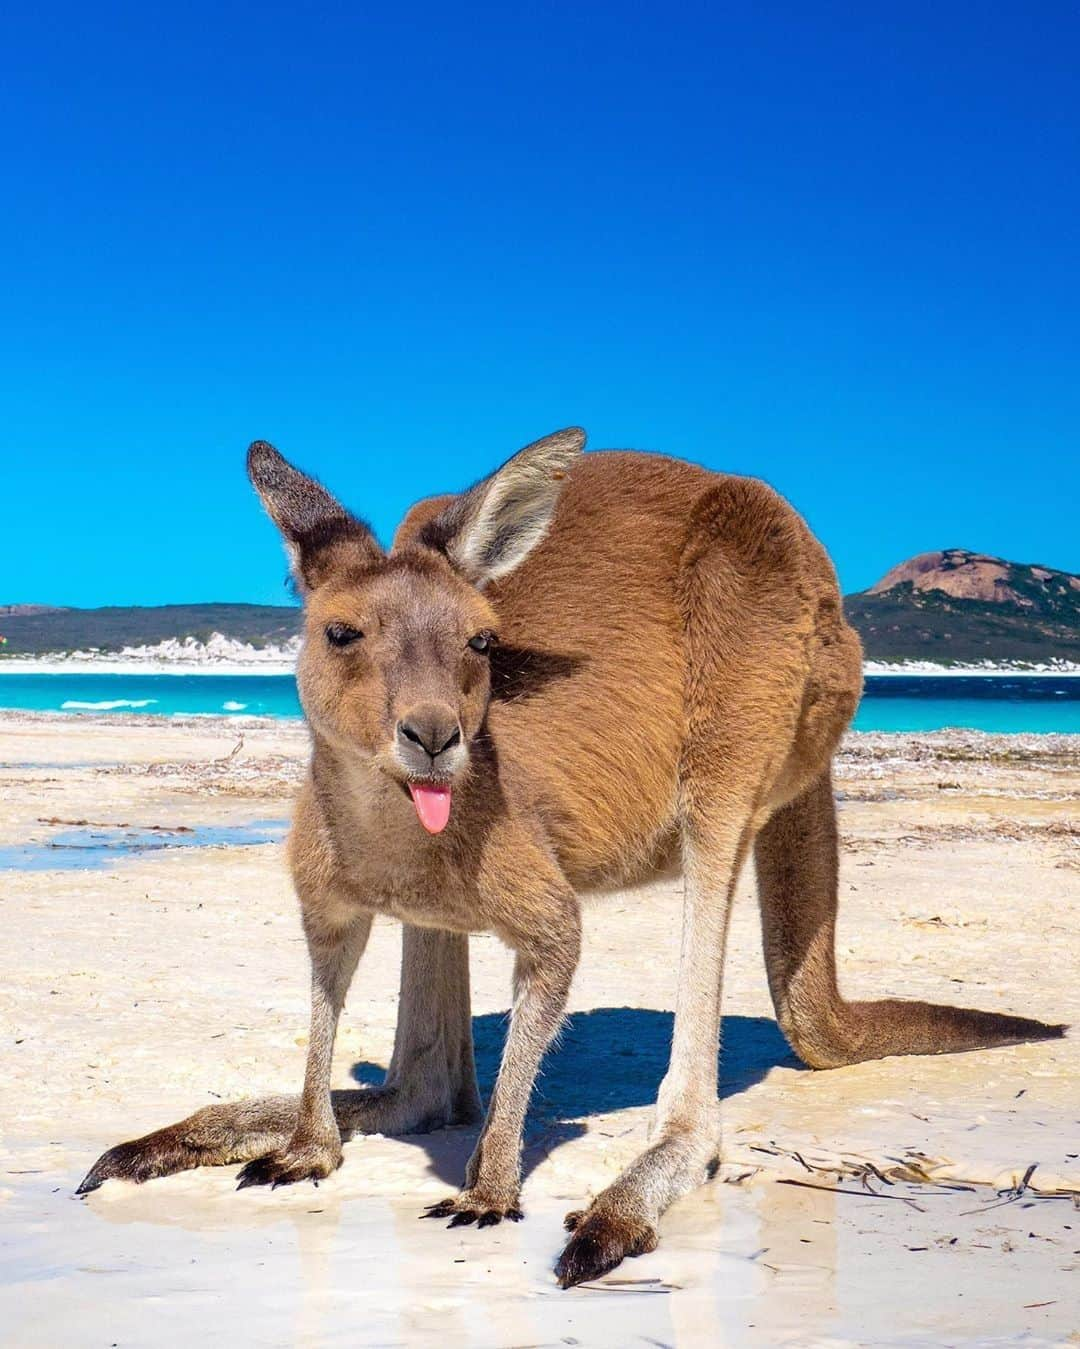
{"points": [[153, 963]]}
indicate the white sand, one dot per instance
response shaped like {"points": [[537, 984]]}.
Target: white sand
{"points": [[134, 993]]}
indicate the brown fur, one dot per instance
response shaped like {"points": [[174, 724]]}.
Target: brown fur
{"points": [[672, 675]]}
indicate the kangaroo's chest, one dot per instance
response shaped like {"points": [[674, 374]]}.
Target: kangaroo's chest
{"points": [[395, 871]]}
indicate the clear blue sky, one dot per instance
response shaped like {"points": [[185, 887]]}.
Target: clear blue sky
{"points": [[835, 246]]}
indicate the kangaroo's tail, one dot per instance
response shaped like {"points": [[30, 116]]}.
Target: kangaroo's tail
{"points": [[796, 857]]}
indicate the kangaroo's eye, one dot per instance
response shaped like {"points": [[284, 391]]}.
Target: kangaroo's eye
{"points": [[340, 634], [482, 642]]}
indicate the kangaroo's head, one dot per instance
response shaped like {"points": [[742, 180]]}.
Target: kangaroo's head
{"points": [[394, 669]]}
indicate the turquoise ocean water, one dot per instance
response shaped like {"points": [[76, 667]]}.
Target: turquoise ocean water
{"points": [[891, 703]]}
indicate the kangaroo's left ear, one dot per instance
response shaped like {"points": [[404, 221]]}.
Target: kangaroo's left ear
{"points": [[491, 529]]}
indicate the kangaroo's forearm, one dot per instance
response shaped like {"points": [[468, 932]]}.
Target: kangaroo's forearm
{"points": [[335, 954]]}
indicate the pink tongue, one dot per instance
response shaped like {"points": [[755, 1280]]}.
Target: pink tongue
{"points": [[432, 805]]}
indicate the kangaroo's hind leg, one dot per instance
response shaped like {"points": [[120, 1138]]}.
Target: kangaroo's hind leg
{"points": [[742, 696], [686, 1133], [431, 1081], [796, 856]]}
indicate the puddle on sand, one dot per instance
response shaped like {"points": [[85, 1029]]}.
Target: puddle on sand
{"points": [[316, 1267], [94, 848], [46, 765], [760, 1266]]}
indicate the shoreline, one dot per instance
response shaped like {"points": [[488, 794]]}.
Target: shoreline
{"points": [[920, 744], [102, 665]]}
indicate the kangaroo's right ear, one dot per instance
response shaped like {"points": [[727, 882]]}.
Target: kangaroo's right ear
{"points": [[320, 534], [490, 529]]}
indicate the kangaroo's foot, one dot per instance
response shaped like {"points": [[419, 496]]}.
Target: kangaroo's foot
{"points": [[305, 1158], [477, 1205], [602, 1238], [622, 1221], [161, 1153], [246, 1131], [214, 1136]]}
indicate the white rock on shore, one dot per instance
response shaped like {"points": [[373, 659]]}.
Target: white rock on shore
{"points": [[226, 655], [220, 655], [986, 667]]}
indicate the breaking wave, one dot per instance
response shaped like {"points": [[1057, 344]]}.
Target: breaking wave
{"points": [[74, 705]]}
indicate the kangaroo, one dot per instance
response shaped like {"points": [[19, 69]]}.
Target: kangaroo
{"points": [[581, 671]]}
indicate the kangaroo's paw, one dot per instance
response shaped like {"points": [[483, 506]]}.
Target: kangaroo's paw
{"points": [[299, 1160], [601, 1241], [476, 1205]]}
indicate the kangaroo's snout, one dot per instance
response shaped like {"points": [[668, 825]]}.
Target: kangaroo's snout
{"points": [[427, 738]]}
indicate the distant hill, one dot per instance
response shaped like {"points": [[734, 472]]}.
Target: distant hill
{"points": [[956, 606], [36, 630], [19, 610], [949, 607]]}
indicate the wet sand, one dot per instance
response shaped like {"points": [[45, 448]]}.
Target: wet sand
{"points": [[158, 965]]}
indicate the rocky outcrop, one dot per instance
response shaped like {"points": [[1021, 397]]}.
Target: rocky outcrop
{"points": [[958, 606]]}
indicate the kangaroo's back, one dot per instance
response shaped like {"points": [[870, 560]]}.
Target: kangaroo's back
{"points": [[589, 706]]}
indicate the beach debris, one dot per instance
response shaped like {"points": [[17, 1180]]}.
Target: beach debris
{"points": [[866, 1193], [609, 1285], [228, 758]]}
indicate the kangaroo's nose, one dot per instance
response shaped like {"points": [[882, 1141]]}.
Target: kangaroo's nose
{"points": [[434, 729]]}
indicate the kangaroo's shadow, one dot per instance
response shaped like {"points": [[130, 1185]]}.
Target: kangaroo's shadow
{"points": [[611, 1058]]}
